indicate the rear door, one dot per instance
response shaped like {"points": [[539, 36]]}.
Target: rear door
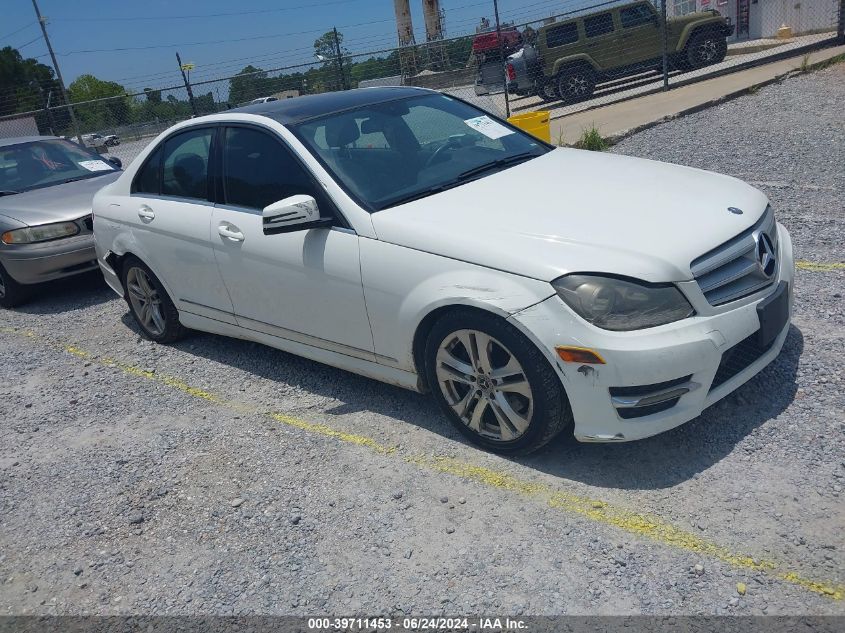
{"points": [[602, 42], [170, 213], [639, 33]]}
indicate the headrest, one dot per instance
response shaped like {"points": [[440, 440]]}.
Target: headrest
{"points": [[372, 125], [340, 133], [189, 163]]}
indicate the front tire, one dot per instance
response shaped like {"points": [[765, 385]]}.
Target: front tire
{"points": [[705, 49], [493, 384], [149, 303], [12, 294]]}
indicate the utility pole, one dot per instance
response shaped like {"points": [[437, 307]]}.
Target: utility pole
{"points": [[187, 84], [45, 104], [664, 45], [840, 30], [502, 59], [43, 22], [339, 59]]}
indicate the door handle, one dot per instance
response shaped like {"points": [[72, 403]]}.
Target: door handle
{"points": [[230, 232], [145, 213]]}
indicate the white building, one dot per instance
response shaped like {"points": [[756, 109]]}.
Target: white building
{"points": [[756, 19]]}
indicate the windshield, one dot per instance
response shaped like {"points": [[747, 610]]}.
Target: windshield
{"points": [[389, 153], [49, 162]]}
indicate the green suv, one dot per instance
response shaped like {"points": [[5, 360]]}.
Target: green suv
{"points": [[573, 55]]}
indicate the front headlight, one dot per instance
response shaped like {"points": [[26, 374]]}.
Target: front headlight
{"points": [[622, 304], [43, 233]]}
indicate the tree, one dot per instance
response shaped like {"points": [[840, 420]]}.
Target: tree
{"points": [[26, 85], [247, 85], [107, 102], [325, 49], [153, 96]]}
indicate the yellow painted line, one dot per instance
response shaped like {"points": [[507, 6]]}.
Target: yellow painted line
{"points": [[642, 525], [819, 267]]}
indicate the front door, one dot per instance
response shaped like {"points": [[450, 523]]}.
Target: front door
{"points": [[639, 36], [303, 286]]}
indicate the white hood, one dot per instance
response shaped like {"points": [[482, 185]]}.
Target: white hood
{"points": [[579, 211]]}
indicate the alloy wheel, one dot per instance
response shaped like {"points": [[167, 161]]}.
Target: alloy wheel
{"points": [[707, 51], [145, 301], [485, 385], [574, 87]]}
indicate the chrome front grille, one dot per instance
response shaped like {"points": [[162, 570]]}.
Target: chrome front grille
{"points": [[741, 266]]}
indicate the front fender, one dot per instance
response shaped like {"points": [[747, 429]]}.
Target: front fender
{"points": [[687, 31], [403, 286]]}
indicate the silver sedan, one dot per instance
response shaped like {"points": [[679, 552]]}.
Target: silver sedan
{"points": [[46, 227]]}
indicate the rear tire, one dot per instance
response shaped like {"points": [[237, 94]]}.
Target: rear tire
{"points": [[12, 294], [705, 49], [546, 90], [149, 303], [493, 384], [576, 83]]}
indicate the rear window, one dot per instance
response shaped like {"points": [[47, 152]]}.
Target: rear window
{"points": [[598, 24], [562, 34]]}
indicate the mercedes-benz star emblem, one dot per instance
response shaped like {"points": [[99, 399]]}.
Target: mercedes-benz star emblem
{"points": [[766, 259], [735, 210]]}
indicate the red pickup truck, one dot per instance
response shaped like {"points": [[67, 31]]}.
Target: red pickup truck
{"points": [[490, 57], [486, 45]]}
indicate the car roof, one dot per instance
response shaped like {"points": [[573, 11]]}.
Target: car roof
{"points": [[17, 140], [299, 109]]}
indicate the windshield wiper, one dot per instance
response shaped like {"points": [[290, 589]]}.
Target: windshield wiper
{"points": [[422, 194], [8, 192], [502, 162], [77, 179]]}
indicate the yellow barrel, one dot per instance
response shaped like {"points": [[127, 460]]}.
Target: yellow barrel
{"points": [[535, 123]]}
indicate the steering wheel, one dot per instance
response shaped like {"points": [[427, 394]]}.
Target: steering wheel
{"points": [[450, 144]]}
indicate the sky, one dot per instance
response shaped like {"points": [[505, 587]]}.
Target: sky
{"points": [[134, 43]]}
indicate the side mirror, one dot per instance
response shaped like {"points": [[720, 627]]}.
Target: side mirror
{"points": [[114, 160], [296, 213]]}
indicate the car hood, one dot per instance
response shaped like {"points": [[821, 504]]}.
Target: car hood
{"points": [[57, 203], [579, 211]]}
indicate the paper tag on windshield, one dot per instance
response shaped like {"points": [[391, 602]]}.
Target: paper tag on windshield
{"points": [[95, 165], [488, 127]]}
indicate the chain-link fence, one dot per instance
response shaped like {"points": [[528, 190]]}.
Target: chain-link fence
{"points": [[576, 55]]}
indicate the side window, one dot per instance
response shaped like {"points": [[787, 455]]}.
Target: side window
{"points": [[259, 170], [636, 15], [185, 166], [562, 35], [146, 180], [600, 24]]}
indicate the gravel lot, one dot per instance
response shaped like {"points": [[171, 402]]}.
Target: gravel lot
{"points": [[136, 478]]}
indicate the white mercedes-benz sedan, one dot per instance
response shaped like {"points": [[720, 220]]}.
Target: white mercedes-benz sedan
{"points": [[405, 235]]}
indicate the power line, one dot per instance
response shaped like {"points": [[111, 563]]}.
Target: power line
{"points": [[32, 41], [207, 15], [24, 27], [239, 39]]}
